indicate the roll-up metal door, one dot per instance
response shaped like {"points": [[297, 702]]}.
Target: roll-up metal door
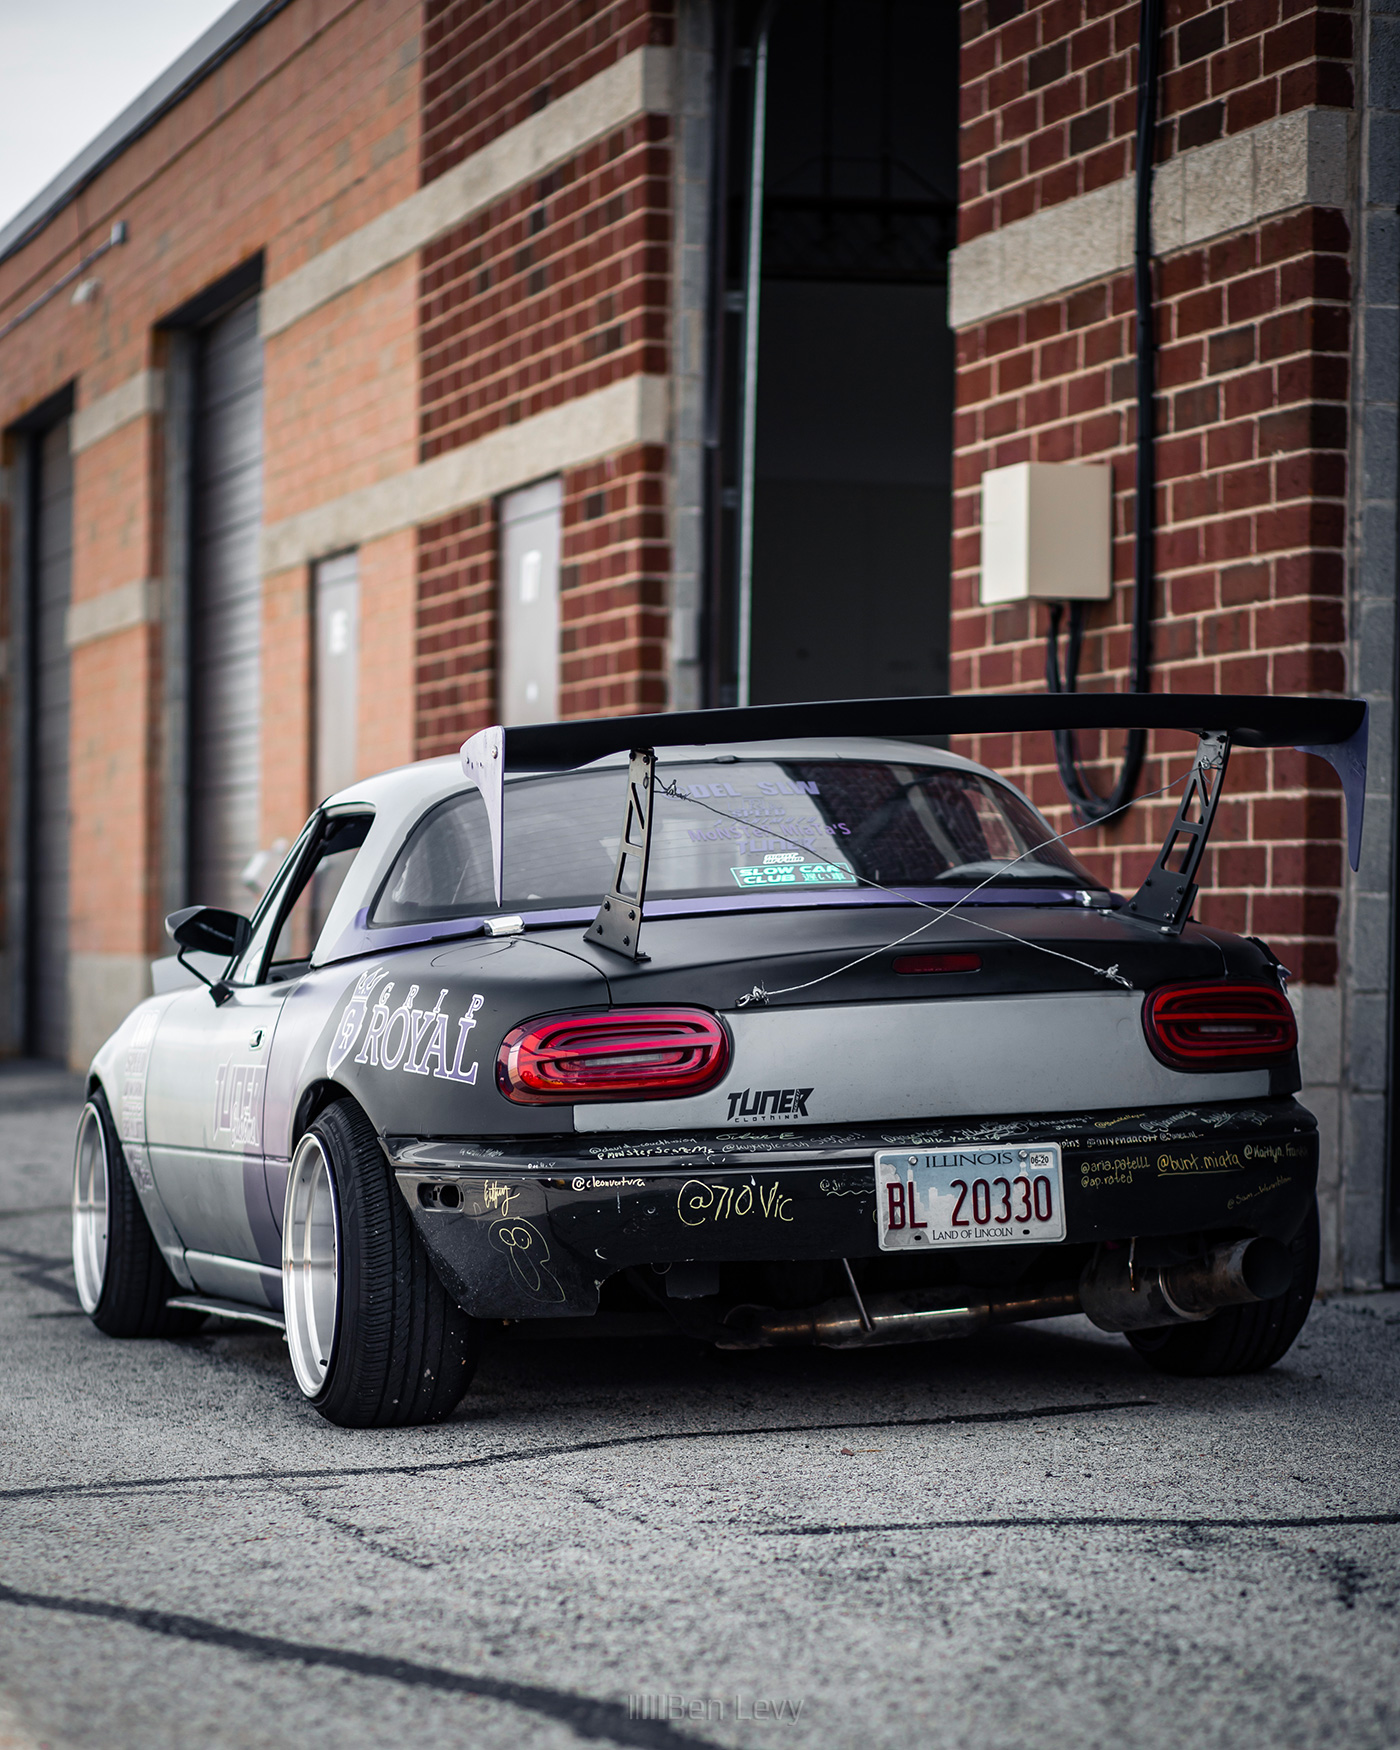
{"points": [[226, 610], [52, 563]]}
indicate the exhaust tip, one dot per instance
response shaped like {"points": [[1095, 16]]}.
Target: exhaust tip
{"points": [[1267, 1268]]}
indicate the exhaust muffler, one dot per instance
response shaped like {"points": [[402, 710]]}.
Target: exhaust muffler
{"points": [[1119, 1295], [1115, 1293], [910, 1316]]}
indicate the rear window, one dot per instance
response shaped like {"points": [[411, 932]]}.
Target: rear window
{"points": [[732, 827]]}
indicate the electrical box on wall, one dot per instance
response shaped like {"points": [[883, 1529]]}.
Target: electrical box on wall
{"points": [[1047, 532]]}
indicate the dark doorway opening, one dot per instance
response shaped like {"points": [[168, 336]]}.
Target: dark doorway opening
{"points": [[829, 528], [49, 684], [37, 899]]}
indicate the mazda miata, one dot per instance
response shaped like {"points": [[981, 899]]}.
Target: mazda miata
{"points": [[768, 1026]]}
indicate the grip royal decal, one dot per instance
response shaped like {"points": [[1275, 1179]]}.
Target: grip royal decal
{"points": [[416, 1040], [352, 1019]]}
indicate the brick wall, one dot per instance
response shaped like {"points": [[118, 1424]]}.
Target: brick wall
{"points": [[1253, 331], [1049, 91], [614, 563], [305, 132], [455, 664], [556, 291], [614, 572], [488, 64], [553, 293]]}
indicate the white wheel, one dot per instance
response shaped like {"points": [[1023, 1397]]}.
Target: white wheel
{"points": [[311, 1264], [90, 1196]]}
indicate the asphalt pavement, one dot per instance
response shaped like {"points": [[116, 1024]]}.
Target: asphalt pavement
{"points": [[1020, 1539]]}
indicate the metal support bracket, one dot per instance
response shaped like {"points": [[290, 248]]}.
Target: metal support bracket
{"points": [[618, 924], [1167, 895]]}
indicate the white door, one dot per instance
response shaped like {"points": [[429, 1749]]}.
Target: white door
{"points": [[337, 672], [528, 689]]}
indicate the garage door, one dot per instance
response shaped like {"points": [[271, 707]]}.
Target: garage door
{"points": [[226, 610], [48, 821]]}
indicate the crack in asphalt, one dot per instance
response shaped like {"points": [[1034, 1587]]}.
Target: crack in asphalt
{"points": [[1091, 1521], [367, 1540], [529, 1455], [35, 1268], [585, 1715]]}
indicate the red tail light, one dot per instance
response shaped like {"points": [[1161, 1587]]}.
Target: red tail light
{"points": [[625, 1054], [1219, 1026], [938, 963]]}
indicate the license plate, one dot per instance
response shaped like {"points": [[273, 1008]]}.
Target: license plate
{"points": [[969, 1197]]}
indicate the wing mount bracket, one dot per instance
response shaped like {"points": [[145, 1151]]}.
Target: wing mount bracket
{"points": [[1167, 895], [618, 924]]}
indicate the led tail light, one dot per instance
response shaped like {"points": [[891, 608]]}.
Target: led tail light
{"points": [[623, 1054], [1219, 1026], [907, 963]]}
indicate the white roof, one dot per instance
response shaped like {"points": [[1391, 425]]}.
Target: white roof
{"points": [[402, 796]]}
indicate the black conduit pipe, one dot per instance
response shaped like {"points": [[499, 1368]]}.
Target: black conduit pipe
{"points": [[1088, 806]]}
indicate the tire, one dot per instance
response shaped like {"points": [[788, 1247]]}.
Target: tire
{"points": [[123, 1282], [375, 1339], [1240, 1339]]}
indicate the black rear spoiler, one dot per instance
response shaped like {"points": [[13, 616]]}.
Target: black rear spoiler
{"points": [[1333, 729]]}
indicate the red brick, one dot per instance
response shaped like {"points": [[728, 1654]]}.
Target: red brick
{"points": [[1045, 150], [1247, 109], [1231, 350], [1193, 593], [1058, 358], [1315, 276], [1196, 496], [1015, 371], [1044, 320], [1320, 83], [1086, 307], [1180, 364], [1199, 313], [1004, 168], [1306, 427], [1001, 335], [1195, 407], [1181, 273], [1249, 394], [1109, 340]]}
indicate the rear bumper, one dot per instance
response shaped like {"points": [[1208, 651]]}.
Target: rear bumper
{"points": [[530, 1231]]}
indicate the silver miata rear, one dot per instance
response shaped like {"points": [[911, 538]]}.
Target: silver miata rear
{"points": [[765, 1027]]}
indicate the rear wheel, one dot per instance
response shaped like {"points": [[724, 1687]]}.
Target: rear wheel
{"points": [[123, 1282], [1240, 1339], [375, 1339]]}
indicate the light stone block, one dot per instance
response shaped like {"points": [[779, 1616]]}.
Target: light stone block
{"points": [[635, 410], [638, 84], [1301, 159], [136, 398]]}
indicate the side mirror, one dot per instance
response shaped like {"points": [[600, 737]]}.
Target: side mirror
{"points": [[204, 929]]}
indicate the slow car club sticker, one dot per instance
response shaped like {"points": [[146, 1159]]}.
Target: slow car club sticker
{"points": [[401, 1036]]}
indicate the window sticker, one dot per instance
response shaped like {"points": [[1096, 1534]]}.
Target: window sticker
{"points": [[792, 870]]}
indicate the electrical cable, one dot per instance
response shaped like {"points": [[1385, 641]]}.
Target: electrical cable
{"points": [[1089, 807], [759, 995]]}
